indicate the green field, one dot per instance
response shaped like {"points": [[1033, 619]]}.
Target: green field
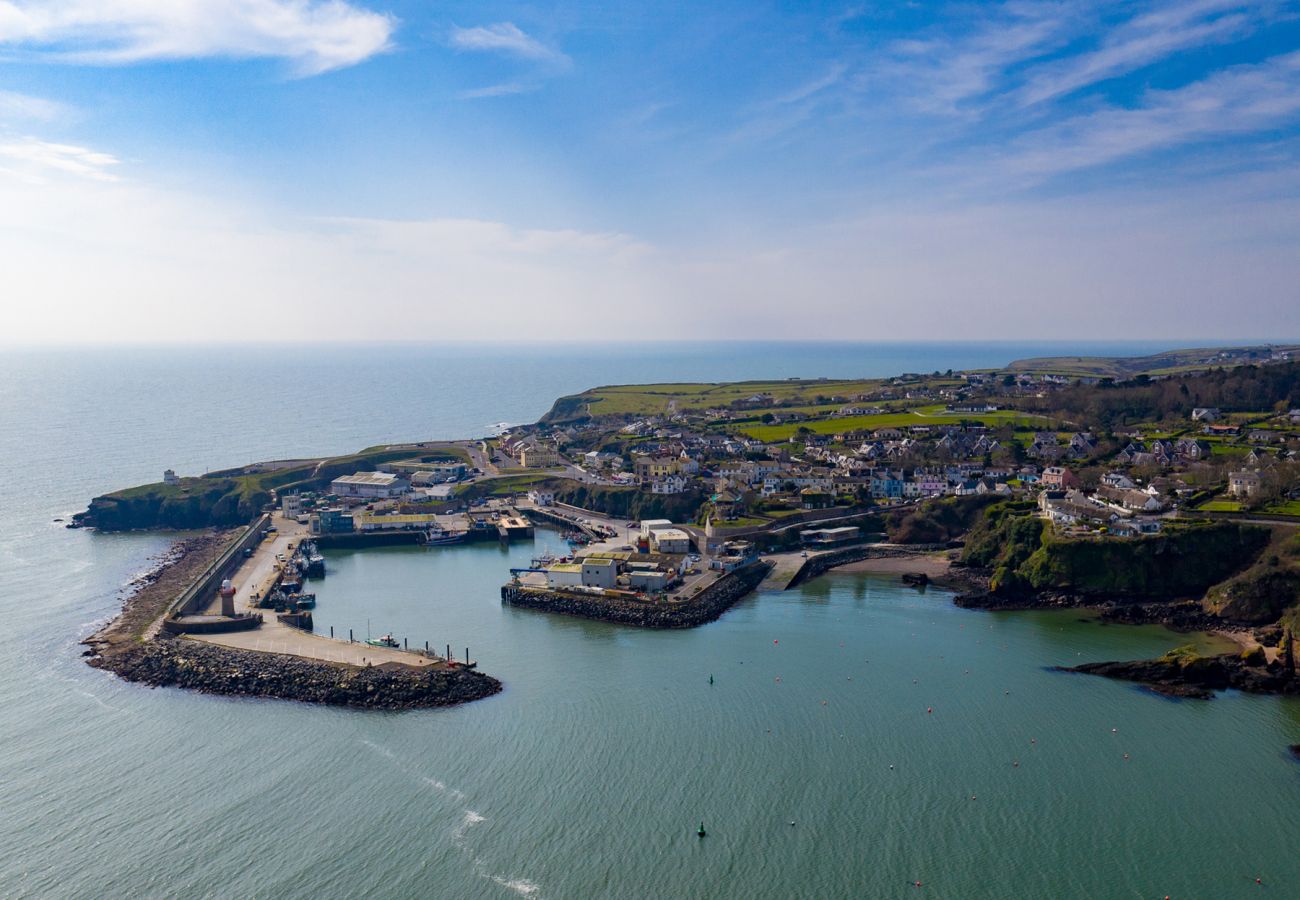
{"points": [[892, 420], [661, 399], [1220, 506]]}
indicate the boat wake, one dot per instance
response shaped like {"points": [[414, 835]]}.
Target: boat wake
{"points": [[470, 818]]}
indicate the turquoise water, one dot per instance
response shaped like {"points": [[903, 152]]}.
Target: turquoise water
{"points": [[587, 776]]}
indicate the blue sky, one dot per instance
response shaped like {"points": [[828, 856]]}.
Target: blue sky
{"points": [[581, 170]]}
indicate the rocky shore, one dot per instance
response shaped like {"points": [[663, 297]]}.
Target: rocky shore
{"points": [[1180, 615], [212, 669], [1181, 674], [709, 605]]}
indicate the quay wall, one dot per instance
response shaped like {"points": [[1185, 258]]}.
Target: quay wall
{"points": [[194, 598], [209, 625], [706, 606]]}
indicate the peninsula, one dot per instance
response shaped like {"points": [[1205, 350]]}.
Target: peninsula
{"points": [[1155, 489]]}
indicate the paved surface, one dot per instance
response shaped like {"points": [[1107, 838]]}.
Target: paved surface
{"points": [[256, 574]]}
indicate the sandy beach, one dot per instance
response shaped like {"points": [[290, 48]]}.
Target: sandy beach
{"points": [[934, 565]]}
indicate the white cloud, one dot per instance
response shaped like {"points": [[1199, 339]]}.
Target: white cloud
{"points": [[89, 260], [1240, 100], [1140, 41], [315, 35], [36, 158], [506, 89], [505, 37], [23, 106]]}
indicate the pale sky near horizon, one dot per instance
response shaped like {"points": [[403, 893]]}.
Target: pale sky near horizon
{"points": [[177, 170]]}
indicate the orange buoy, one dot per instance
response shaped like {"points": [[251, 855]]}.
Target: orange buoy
{"points": [[929, 709]]}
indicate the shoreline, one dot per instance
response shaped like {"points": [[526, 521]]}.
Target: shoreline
{"points": [[131, 647]]}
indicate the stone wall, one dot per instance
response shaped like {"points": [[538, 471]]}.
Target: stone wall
{"points": [[707, 606], [822, 562]]}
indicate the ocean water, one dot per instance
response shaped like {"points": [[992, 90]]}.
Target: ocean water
{"points": [[589, 774]]}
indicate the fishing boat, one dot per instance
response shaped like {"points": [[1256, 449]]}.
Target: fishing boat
{"points": [[437, 537], [386, 641]]}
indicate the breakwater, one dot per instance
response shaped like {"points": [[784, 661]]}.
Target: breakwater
{"points": [[212, 669], [706, 606]]}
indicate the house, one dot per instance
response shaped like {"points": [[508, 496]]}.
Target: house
{"points": [[813, 498], [651, 468], [542, 498], [538, 457], [1059, 477], [1117, 480], [169, 477], [671, 484], [1244, 484], [1206, 414]]}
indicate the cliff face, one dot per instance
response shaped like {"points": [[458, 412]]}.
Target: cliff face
{"points": [[1184, 561], [222, 503]]}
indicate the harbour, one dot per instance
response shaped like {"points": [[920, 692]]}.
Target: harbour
{"points": [[454, 789]]}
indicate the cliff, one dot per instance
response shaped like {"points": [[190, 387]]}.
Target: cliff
{"points": [[1184, 561]]}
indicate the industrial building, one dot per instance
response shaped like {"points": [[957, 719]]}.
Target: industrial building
{"points": [[370, 485], [670, 540]]}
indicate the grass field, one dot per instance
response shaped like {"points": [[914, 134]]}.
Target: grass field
{"points": [[659, 399], [1287, 508], [1220, 506], [892, 420]]}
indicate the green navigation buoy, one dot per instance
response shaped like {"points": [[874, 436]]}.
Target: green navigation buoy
{"points": [[710, 679], [701, 832]]}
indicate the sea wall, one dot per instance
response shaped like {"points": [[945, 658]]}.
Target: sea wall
{"points": [[823, 562], [195, 597], [212, 669], [707, 606]]}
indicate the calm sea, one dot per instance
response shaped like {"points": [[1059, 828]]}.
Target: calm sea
{"points": [[588, 776]]}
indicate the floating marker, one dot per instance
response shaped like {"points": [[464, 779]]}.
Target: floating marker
{"points": [[701, 831]]}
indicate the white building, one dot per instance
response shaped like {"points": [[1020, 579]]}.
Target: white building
{"points": [[169, 477], [291, 506], [670, 540], [542, 498], [562, 575], [649, 526], [372, 485], [600, 573]]}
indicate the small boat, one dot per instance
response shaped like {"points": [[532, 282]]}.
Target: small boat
{"points": [[386, 641]]}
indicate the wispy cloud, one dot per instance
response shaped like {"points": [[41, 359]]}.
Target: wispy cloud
{"points": [[1145, 39], [39, 157], [1240, 100], [505, 37], [314, 35], [23, 106], [507, 89]]}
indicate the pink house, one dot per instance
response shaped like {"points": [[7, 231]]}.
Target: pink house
{"points": [[1058, 478]]}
